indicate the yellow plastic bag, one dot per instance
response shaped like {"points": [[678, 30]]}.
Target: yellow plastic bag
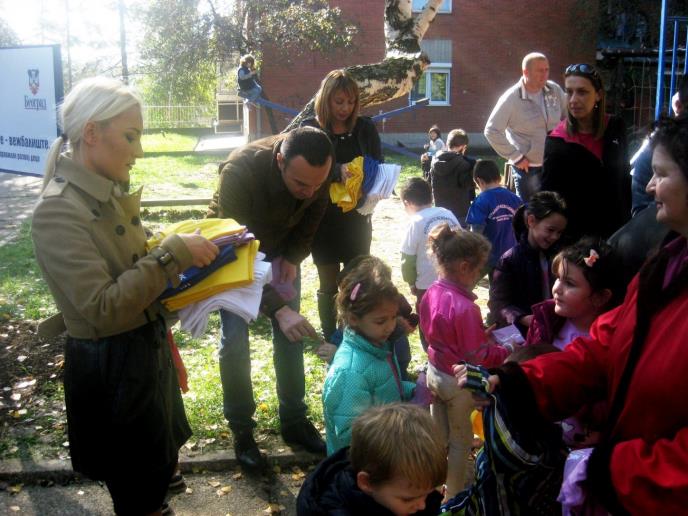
{"points": [[346, 195]]}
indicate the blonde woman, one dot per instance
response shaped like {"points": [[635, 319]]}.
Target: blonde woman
{"points": [[341, 236], [125, 414]]}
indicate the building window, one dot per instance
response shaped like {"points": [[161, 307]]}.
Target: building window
{"points": [[445, 6], [434, 85]]}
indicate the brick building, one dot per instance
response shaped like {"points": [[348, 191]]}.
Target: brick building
{"points": [[476, 48]]}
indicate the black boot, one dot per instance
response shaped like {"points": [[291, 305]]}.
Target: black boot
{"points": [[247, 453], [327, 313], [305, 434]]}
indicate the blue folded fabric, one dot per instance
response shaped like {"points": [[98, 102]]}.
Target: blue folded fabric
{"points": [[370, 168], [194, 275]]}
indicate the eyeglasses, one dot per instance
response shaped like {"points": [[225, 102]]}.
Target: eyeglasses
{"points": [[586, 70]]}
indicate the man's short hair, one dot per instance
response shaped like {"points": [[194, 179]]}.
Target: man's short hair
{"points": [[416, 191], [311, 143], [398, 440], [457, 138], [533, 56], [487, 170]]}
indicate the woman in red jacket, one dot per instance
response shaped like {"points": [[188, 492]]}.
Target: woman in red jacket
{"points": [[636, 359]]}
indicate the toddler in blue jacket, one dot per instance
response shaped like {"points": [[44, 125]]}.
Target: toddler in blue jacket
{"points": [[364, 371]]}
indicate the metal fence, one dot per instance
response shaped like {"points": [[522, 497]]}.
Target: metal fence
{"points": [[172, 117]]}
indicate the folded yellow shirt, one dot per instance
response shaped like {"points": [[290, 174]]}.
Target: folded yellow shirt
{"points": [[209, 228], [346, 195], [238, 273]]}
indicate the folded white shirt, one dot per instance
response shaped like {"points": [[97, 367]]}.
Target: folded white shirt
{"points": [[385, 181], [243, 301]]}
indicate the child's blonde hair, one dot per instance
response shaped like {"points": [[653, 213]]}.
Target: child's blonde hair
{"points": [[450, 245], [364, 287], [398, 440]]}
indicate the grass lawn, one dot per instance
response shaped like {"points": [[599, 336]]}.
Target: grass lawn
{"points": [[168, 141], [25, 297]]}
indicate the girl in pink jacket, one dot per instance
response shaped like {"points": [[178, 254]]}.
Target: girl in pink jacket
{"points": [[453, 327]]}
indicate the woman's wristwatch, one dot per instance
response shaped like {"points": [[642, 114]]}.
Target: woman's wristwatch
{"points": [[163, 256]]}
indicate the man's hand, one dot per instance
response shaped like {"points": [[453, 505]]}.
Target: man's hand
{"points": [[461, 374], [287, 272], [523, 164], [294, 325]]}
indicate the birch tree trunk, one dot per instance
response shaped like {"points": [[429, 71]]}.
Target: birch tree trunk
{"points": [[403, 64]]}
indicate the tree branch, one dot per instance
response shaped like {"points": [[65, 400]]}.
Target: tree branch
{"points": [[404, 61]]}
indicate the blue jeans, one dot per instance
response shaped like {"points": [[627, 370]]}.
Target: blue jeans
{"points": [[527, 183], [235, 371], [251, 94]]}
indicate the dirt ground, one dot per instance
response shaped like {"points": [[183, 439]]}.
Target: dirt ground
{"points": [[31, 408]]}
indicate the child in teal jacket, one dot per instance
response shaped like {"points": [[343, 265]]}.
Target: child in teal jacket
{"points": [[364, 371]]}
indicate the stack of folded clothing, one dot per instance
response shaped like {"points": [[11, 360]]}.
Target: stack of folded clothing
{"points": [[368, 181], [244, 301], [386, 177], [233, 268]]}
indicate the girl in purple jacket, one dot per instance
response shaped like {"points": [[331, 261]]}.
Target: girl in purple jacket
{"points": [[588, 282], [453, 327]]}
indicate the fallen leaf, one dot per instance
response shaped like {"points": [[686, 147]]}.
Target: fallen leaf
{"points": [[14, 508], [236, 476], [16, 488], [190, 445], [25, 384], [65, 444], [80, 492], [274, 508], [226, 489], [21, 358], [188, 490], [15, 396], [214, 483], [220, 492]]}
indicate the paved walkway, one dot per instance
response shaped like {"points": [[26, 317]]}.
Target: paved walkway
{"points": [[18, 195], [208, 494]]}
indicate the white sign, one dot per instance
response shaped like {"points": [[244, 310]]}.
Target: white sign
{"points": [[30, 90]]}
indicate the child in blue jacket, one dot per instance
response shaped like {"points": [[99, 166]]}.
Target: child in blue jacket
{"points": [[364, 371]]}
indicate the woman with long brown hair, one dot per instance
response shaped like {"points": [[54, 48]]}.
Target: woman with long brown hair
{"points": [[341, 236]]}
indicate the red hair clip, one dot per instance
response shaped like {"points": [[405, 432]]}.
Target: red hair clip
{"points": [[592, 258]]}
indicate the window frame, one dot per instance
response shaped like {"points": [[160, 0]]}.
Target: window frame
{"points": [[439, 11], [438, 68]]}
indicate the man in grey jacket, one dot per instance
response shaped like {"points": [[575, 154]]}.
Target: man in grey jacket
{"points": [[521, 120]]}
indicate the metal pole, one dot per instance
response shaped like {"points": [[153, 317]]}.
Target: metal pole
{"points": [[685, 54], [660, 61], [674, 63]]}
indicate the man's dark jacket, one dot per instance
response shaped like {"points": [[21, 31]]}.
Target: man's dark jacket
{"points": [[252, 192]]}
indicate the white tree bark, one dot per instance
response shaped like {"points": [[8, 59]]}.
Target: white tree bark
{"points": [[403, 64]]}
